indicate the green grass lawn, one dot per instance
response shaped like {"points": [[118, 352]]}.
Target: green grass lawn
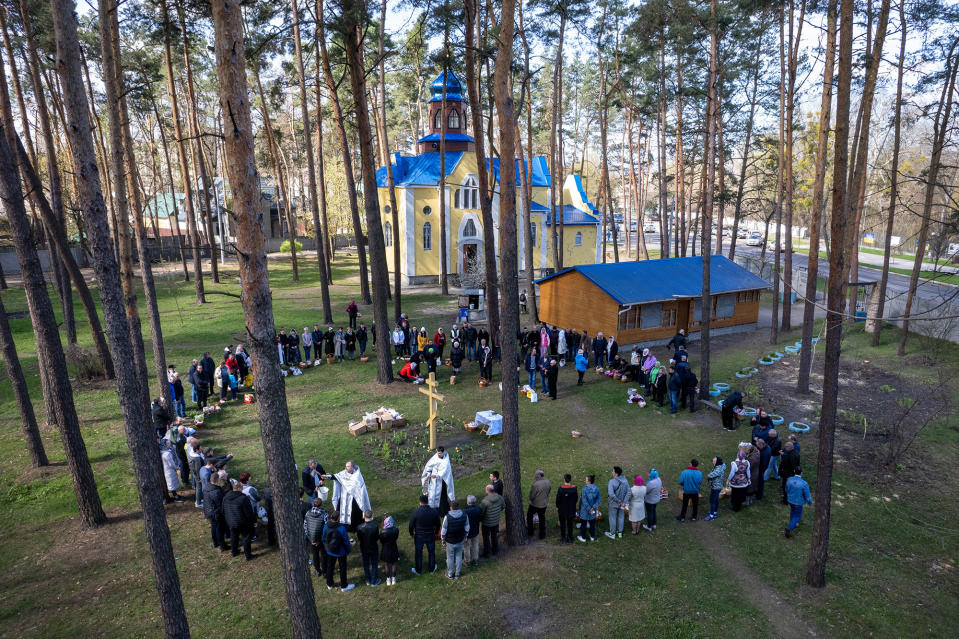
{"points": [[892, 568]]}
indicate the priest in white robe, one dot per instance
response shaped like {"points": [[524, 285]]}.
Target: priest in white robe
{"points": [[350, 497], [437, 481]]}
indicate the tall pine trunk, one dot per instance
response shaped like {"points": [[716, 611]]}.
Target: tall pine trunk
{"points": [[893, 178], [509, 316], [390, 188], [55, 380], [819, 551], [136, 413], [258, 310], [321, 170], [18, 383], [940, 130], [793, 45], [181, 154], [709, 155], [338, 116], [812, 272], [356, 18], [318, 231], [473, 68]]}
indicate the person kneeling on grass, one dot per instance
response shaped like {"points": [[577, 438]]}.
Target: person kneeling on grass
{"points": [[797, 493], [408, 373]]}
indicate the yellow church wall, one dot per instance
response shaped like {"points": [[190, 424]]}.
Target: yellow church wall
{"points": [[426, 262]]}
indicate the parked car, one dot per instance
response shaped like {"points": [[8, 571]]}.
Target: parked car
{"points": [[742, 234], [649, 227], [754, 239], [727, 232]]}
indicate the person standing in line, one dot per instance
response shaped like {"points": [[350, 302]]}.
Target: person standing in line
{"points": [[538, 499], [739, 479], [637, 503], [654, 494], [490, 511], [389, 552], [453, 532], [715, 479], [307, 338], [788, 465], [349, 343], [798, 495], [362, 337], [531, 364], [313, 523], [552, 376], [424, 524], [470, 334], [675, 385], [566, 498], [471, 546], [399, 342], [336, 542], [618, 496], [496, 482], [691, 480], [588, 510], [368, 535], [240, 518], [213, 511]]}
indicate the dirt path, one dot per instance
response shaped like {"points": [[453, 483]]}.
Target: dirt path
{"points": [[784, 620]]}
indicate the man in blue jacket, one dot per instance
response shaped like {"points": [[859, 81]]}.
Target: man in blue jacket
{"points": [[797, 494], [690, 480]]}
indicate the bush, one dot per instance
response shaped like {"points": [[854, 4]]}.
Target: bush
{"points": [[84, 362], [285, 246]]}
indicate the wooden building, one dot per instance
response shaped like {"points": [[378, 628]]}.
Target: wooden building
{"points": [[649, 301]]}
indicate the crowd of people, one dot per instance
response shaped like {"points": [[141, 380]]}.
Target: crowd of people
{"points": [[336, 525]]}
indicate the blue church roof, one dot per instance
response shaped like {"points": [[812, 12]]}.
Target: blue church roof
{"points": [[418, 170], [540, 176], [572, 216], [648, 281], [450, 137], [454, 88]]}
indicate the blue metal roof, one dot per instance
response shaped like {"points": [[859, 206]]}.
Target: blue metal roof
{"points": [[454, 88], [540, 170], [572, 216], [418, 170], [450, 137], [648, 281]]}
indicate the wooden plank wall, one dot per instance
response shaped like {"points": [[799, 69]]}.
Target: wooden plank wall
{"points": [[572, 301]]}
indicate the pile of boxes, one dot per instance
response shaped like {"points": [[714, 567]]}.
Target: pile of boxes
{"points": [[380, 419]]}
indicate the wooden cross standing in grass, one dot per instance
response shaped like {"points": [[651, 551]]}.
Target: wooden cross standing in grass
{"points": [[434, 397]]}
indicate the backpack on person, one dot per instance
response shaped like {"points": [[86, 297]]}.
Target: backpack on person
{"points": [[332, 542], [740, 478]]}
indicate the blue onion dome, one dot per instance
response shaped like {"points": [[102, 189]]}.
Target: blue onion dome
{"points": [[454, 88]]}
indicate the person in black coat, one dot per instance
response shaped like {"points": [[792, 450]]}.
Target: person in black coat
{"points": [[161, 418], [349, 339], [679, 339], [209, 369], [456, 357], [552, 375], [485, 358], [599, 350], [362, 336], [566, 498], [368, 535], [424, 524], [389, 552], [735, 400], [240, 518], [201, 385], [213, 511], [312, 477], [329, 338], [690, 382]]}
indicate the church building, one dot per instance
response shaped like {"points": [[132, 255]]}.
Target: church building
{"points": [[418, 183]]}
